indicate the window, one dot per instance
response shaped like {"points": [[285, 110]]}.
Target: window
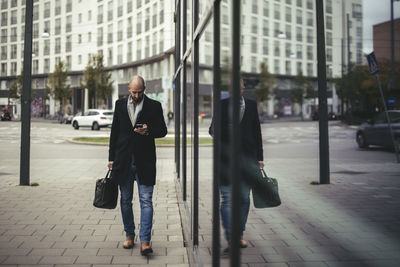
{"points": [[110, 11], [254, 25], [310, 36], [329, 54], [161, 41], [129, 6], [4, 69], [329, 40], [23, 15], [79, 38], [13, 68], [277, 12], [139, 49], [57, 47], [309, 4], [69, 6], [46, 10], [129, 54], [14, 3], [89, 37], [288, 16], [253, 64], [4, 36], [310, 53], [328, 6], [277, 29], [4, 4], [277, 66], [58, 27], [35, 68], [310, 20], [35, 31], [89, 15], [266, 9], [68, 26], [100, 14], [154, 44], [80, 18], [299, 16], [357, 11], [161, 4], [4, 52], [288, 50], [68, 44], [79, 59], [120, 31], [277, 50], [13, 54], [299, 3], [120, 8], [265, 46], [139, 24], [288, 68], [328, 22], [110, 56], [22, 32], [129, 28], [310, 69], [68, 63], [299, 51], [35, 48], [46, 67], [138, 4], [120, 54], [154, 15], [110, 33], [147, 20], [14, 17], [46, 27], [4, 19], [57, 7], [147, 47], [265, 28], [288, 31], [254, 45], [46, 47], [299, 34], [254, 7], [99, 36]]}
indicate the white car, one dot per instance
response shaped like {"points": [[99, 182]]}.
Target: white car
{"points": [[94, 118]]}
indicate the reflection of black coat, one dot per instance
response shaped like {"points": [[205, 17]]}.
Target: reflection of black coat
{"points": [[251, 142], [124, 141]]}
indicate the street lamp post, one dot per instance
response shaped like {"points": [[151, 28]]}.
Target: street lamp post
{"points": [[392, 59]]}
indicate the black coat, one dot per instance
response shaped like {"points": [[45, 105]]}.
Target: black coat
{"points": [[124, 141], [251, 148]]}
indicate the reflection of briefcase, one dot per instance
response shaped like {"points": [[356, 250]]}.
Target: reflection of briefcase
{"points": [[265, 192], [106, 194]]}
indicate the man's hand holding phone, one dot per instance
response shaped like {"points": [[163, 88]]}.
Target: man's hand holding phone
{"points": [[141, 129]]}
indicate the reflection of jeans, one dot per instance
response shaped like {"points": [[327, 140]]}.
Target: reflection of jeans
{"points": [[146, 207], [244, 206]]}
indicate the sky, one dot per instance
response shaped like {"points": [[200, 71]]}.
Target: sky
{"points": [[375, 12]]}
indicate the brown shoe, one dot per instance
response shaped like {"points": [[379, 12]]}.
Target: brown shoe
{"points": [[129, 242], [243, 243], [145, 249]]}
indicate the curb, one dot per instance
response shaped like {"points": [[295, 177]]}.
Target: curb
{"points": [[102, 144]]}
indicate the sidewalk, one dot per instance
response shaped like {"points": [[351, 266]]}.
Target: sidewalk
{"points": [[55, 223]]}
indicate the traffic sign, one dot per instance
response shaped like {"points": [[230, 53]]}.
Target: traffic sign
{"points": [[391, 101], [373, 64]]}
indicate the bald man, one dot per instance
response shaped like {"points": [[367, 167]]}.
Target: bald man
{"points": [[137, 121]]}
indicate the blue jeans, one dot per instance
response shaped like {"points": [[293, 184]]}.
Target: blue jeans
{"points": [[146, 207], [244, 206]]}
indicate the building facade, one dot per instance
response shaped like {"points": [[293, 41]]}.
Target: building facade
{"points": [[137, 37], [382, 39]]}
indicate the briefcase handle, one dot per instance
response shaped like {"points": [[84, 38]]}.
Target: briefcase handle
{"points": [[264, 174], [108, 175]]}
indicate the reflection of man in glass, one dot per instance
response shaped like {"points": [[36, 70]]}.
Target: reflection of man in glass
{"points": [[251, 159]]}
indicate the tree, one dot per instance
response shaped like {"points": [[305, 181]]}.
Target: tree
{"points": [[16, 87], [303, 90], [267, 84], [57, 86], [97, 81]]}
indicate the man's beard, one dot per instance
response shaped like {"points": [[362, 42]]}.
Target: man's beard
{"points": [[137, 100]]}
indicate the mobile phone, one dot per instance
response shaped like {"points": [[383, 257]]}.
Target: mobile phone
{"points": [[138, 125]]}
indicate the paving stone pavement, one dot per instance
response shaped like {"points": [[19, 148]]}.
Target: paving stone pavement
{"points": [[55, 223]]}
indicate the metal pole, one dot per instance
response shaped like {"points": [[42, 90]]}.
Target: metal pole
{"points": [[177, 87], [391, 83], [235, 136], [195, 80], [396, 146], [348, 43], [217, 136], [184, 103], [322, 98], [26, 98]]}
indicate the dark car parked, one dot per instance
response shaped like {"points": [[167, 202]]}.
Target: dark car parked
{"points": [[6, 116], [376, 130]]}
